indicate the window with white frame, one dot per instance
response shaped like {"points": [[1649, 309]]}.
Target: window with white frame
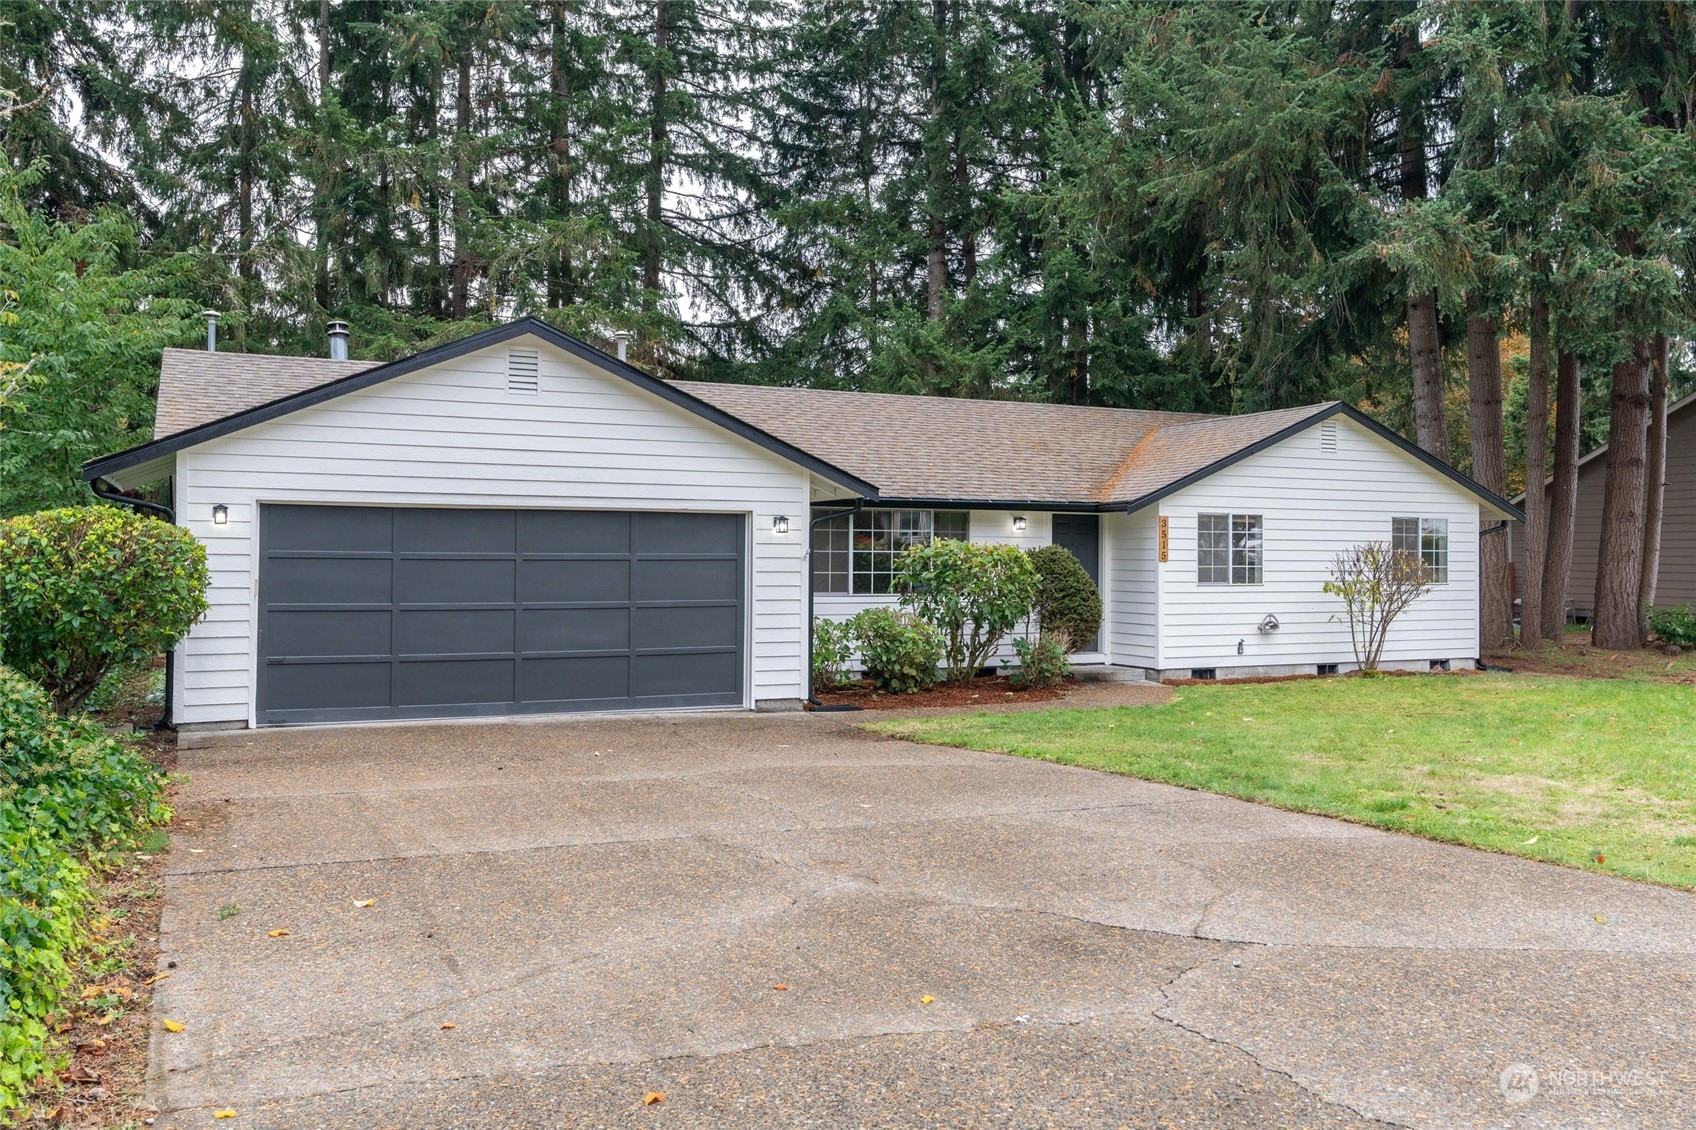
{"points": [[856, 553], [1228, 549], [1429, 539]]}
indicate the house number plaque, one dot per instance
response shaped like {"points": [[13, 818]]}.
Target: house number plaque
{"points": [[1164, 541]]}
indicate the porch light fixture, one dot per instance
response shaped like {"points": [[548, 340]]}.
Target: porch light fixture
{"points": [[220, 515], [780, 525], [1019, 523]]}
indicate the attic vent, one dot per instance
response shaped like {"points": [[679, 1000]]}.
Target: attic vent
{"points": [[1328, 438], [523, 371]]}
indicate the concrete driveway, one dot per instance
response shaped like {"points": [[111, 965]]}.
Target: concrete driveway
{"points": [[569, 916]]}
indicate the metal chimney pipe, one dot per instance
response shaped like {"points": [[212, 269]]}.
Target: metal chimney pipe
{"points": [[338, 340], [623, 338], [211, 330]]}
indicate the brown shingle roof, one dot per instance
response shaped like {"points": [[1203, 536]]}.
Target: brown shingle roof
{"points": [[197, 387], [910, 447]]}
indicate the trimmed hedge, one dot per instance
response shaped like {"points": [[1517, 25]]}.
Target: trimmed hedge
{"points": [[1068, 603], [68, 792], [86, 590]]}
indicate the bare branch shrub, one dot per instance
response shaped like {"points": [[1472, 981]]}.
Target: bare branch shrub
{"points": [[1376, 584]]}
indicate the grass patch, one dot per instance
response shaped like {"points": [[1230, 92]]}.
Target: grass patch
{"points": [[1596, 774]]}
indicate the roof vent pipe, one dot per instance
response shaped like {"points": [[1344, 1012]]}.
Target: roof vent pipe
{"points": [[211, 330], [623, 338], [338, 340]]}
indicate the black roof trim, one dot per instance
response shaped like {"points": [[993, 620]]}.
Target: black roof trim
{"points": [[135, 456], [1337, 409], [1033, 504]]}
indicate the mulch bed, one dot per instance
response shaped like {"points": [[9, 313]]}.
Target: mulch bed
{"points": [[981, 691], [105, 1032]]}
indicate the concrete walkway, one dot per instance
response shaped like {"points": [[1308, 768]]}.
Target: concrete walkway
{"points": [[569, 916]]}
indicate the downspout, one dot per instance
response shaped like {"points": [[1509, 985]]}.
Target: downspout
{"points": [[1498, 528], [812, 702], [167, 514]]}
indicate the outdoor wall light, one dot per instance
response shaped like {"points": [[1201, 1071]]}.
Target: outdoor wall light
{"points": [[220, 515], [1019, 523], [780, 525]]}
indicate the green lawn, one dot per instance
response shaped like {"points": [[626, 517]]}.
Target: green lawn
{"points": [[1592, 773]]}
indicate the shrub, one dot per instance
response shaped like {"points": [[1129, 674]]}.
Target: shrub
{"points": [[67, 790], [900, 651], [1375, 584], [973, 594], [1674, 625], [833, 643], [1041, 664], [87, 590], [1067, 601]]}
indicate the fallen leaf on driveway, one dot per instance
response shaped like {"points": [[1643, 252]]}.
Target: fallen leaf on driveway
{"points": [[174, 1025], [1601, 919], [446, 1024], [278, 934], [366, 902], [927, 1000], [780, 988], [652, 1097], [156, 978], [223, 1114]]}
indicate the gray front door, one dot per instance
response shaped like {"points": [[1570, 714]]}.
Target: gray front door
{"points": [[375, 612], [1081, 533]]}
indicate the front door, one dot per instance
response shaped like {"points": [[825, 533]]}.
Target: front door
{"points": [[1081, 533]]}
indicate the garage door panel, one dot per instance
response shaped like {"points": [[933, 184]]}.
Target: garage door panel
{"points": [[556, 581], [491, 612], [327, 686], [444, 630], [455, 581], [306, 580], [574, 629], [573, 531], [578, 678], [342, 529], [688, 626], [688, 533], [689, 673], [295, 632], [455, 531], [453, 682], [687, 579]]}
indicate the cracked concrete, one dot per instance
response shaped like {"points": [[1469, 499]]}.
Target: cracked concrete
{"points": [[567, 916]]}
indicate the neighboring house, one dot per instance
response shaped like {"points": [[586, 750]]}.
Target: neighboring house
{"points": [[518, 522], [1676, 583]]}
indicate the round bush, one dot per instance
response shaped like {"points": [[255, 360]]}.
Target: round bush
{"points": [[900, 652], [88, 589], [1067, 601]]}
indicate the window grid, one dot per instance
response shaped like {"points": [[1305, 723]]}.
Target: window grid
{"points": [[1229, 549], [856, 553], [1427, 537]]}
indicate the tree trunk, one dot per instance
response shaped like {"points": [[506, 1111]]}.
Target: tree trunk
{"points": [[1563, 497], [1618, 619], [459, 301], [1655, 473], [1489, 469], [655, 186], [1536, 456], [559, 152], [936, 171], [1424, 342], [321, 285]]}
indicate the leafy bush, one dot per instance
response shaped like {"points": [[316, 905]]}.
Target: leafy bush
{"points": [[973, 594], [1376, 584], [1067, 601], [67, 791], [833, 643], [900, 651], [1674, 625], [1041, 664], [87, 590]]}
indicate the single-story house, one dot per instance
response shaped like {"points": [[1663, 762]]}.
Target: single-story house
{"points": [[518, 522], [1676, 581]]}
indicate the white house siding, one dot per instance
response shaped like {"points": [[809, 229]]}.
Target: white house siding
{"points": [[1313, 504], [452, 435], [1133, 603]]}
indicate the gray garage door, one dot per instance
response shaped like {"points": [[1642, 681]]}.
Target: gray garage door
{"points": [[369, 613]]}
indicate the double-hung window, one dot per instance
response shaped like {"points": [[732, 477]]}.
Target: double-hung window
{"points": [[856, 553], [1228, 549], [1428, 538]]}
